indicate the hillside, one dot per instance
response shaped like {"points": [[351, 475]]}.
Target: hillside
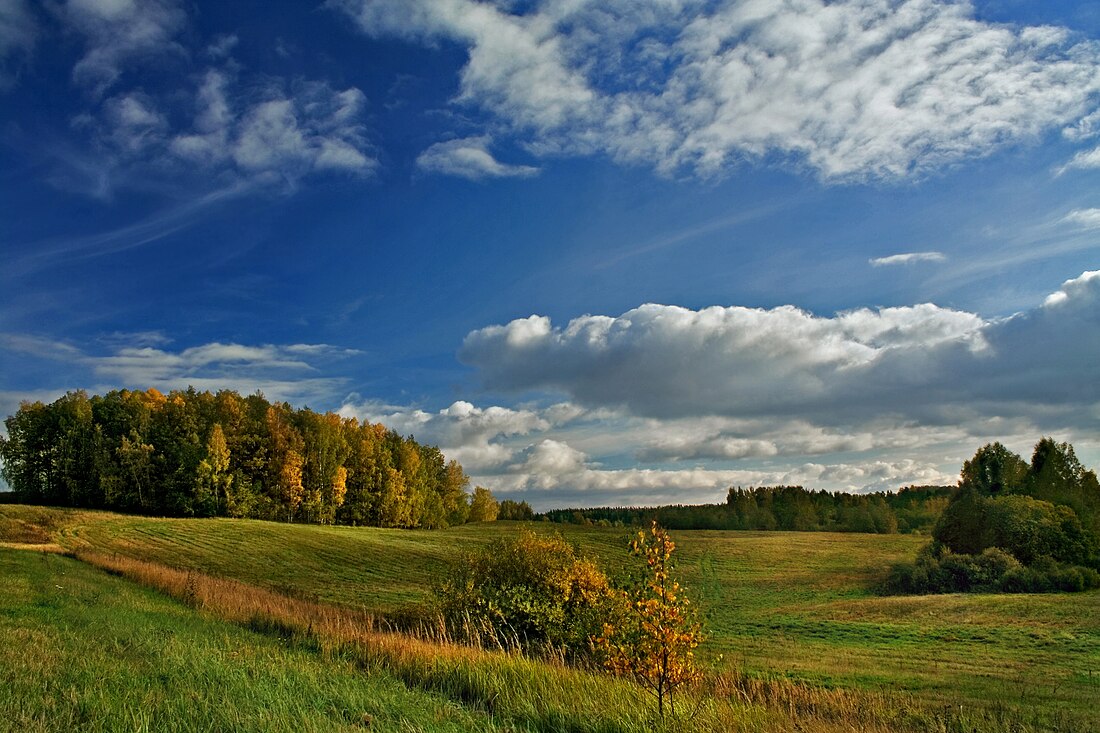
{"points": [[780, 606], [108, 656]]}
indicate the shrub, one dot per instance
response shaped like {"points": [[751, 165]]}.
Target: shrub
{"points": [[1026, 580], [530, 591], [938, 570], [991, 566]]}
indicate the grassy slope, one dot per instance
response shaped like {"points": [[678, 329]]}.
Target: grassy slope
{"points": [[792, 604], [81, 650]]}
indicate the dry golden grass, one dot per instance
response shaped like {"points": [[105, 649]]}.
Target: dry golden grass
{"points": [[35, 547]]}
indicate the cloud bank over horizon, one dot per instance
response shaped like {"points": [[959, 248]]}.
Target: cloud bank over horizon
{"points": [[919, 362], [670, 404]]}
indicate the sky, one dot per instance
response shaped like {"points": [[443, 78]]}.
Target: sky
{"points": [[600, 252]]}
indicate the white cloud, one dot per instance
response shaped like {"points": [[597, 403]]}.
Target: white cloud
{"points": [[313, 129], [925, 364], [222, 46], [556, 455], [908, 258], [578, 484], [21, 343], [282, 372], [134, 123], [854, 90], [118, 32], [1085, 128], [279, 372], [553, 460], [1080, 292], [878, 475], [680, 448], [472, 435], [273, 134], [608, 457], [220, 126], [1086, 159], [1084, 218], [469, 158]]}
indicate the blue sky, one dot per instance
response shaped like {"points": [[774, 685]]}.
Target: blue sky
{"points": [[600, 252]]}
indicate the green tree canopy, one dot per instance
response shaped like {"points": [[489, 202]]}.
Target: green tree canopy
{"points": [[193, 453], [993, 470]]}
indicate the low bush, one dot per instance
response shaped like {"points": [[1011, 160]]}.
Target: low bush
{"points": [[531, 591], [939, 570]]}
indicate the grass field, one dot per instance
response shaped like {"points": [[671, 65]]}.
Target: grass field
{"points": [[81, 650], [780, 606]]}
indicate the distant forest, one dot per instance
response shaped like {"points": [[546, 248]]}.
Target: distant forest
{"points": [[193, 453], [792, 508]]}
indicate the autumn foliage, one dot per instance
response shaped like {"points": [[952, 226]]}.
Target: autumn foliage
{"points": [[192, 453], [532, 592], [654, 636]]}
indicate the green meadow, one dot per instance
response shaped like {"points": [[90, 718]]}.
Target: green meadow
{"points": [[82, 650], [781, 608]]}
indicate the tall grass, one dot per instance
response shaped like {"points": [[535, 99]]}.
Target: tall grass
{"points": [[793, 614], [81, 651], [546, 695]]}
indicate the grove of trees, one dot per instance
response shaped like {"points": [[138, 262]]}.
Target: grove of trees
{"points": [[192, 453], [1013, 526]]}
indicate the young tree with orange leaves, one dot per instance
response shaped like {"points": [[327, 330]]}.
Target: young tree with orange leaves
{"points": [[653, 640]]}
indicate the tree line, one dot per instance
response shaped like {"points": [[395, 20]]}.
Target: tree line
{"points": [[191, 453], [789, 508]]}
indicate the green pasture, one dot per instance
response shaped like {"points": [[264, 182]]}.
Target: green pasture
{"points": [[83, 651], [798, 606]]}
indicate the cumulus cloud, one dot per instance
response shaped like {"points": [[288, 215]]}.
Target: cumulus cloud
{"points": [[557, 454], [118, 32], [876, 475], [922, 363], [854, 90], [908, 258], [669, 361], [469, 158], [554, 460], [472, 435]]}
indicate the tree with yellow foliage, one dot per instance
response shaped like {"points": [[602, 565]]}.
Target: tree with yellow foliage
{"points": [[653, 640], [214, 478]]}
